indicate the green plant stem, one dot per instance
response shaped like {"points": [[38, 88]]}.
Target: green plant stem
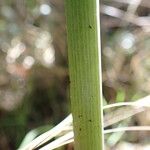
{"points": [[85, 73]]}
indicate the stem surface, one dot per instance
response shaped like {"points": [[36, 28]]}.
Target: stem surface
{"points": [[85, 73]]}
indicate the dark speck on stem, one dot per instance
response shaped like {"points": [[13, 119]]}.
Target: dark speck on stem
{"points": [[80, 116], [90, 26]]}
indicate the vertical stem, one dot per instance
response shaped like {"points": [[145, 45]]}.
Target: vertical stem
{"points": [[85, 73]]}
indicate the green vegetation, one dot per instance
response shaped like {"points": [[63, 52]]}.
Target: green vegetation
{"points": [[34, 78], [85, 69]]}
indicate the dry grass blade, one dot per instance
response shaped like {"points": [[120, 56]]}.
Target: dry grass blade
{"points": [[59, 141], [63, 129], [49, 134], [118, 115], [59, 145], [132, 109], [133, 128], [68, 138]]}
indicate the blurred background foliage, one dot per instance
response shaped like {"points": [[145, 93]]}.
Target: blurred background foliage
{"points": [[34, 68]]}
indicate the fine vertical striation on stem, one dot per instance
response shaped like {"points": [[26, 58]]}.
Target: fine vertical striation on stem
{"points": [[85, 73]]}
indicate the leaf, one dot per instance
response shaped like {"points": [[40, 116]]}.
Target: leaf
{"points": [[31, 135]]}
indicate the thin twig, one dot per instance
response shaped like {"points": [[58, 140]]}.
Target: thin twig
{"points": [[131, 10], [143, 3], [118, 13]]}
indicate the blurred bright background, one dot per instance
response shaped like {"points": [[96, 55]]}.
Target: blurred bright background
{"points": [[34, 91]]}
